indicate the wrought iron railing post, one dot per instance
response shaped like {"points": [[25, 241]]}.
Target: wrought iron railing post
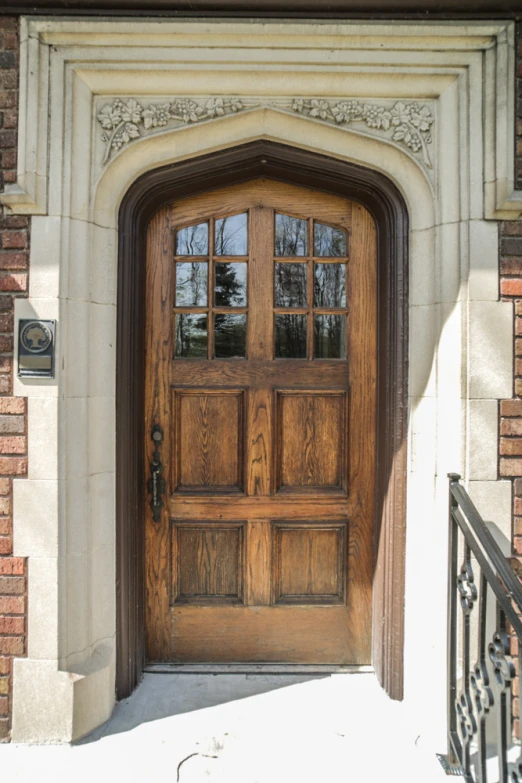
{"points": [[454, 752], [486, 682]]}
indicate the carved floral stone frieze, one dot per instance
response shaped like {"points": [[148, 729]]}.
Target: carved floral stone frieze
{"points": [[407, 123], [122, 121]]}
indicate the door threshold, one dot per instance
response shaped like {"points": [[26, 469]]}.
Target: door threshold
{"points": [[256, 668]]}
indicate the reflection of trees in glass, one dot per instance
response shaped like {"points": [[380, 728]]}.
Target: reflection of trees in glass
{"points": [[330, 285], [290, 285], [231, 285], [192, 241], [290, 336], [191, 284], [330, 336], [329, 241], [229, 335], [290, 236], [191, 335], [231, 236]]}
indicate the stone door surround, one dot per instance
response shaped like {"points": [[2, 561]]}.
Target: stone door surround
{"points": [[103, 101]]}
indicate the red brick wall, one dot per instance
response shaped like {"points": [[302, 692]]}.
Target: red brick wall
{"points": [[510, 447], [14, 262]]}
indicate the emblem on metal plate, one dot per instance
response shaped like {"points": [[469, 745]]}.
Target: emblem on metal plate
{"points": [[36, 337]]}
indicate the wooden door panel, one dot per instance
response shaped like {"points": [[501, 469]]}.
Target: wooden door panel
{"points": [[310, 449], [207, 563], [263, 549], [265, 634], [208, 439], [309, 563]]}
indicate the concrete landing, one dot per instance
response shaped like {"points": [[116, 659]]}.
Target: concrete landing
{"points": [[231, 728]]}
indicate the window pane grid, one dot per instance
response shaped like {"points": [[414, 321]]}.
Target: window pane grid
{"points": [[211, 325], [315, 328]]}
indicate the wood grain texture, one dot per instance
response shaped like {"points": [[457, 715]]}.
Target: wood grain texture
{"points": [[362, 350], [158, 350], [309, 563], [159, 187], [259, 374], [207, 563], [311, 439], [290, 506], [271, 427], [260, 415], [307, 634], [208, 437], [259, 562]]}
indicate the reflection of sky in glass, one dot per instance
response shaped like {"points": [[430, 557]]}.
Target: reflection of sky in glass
{"points": [[329, 336], [191, 336], [231, 236], [191, 284], [290, 336], [290, 236], [330, 285], [290, 285], [229, 335], [192, 241], [329, 241], [231, 285]]}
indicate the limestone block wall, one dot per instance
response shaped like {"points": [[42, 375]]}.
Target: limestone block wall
{"points": [[14, 263]]}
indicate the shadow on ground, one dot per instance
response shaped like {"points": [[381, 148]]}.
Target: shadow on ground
{"points": [[165, 695]]}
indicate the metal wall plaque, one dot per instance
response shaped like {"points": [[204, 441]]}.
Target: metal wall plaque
{"points": [[36, 348]]}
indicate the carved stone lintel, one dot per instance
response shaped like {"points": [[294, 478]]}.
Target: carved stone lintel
{"points": [[124, 121], [406, 123]]}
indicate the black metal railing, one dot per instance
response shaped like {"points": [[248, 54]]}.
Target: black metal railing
{"points": [[484, 614]]}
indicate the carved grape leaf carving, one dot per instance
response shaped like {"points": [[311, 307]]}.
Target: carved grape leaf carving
{"points": [[408, 124], [122, 120]]}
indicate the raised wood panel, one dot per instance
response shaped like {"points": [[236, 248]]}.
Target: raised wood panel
{"points": [[309, 563], [209, 434], [207, 560], [311, 440]]}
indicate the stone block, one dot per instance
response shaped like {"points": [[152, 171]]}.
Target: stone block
{"points": [[490, 350]]}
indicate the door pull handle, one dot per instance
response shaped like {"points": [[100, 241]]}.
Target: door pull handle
{"points": [[156, 483]]}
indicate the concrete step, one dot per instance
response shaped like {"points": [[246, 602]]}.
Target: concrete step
{"points": [[240, 728]]}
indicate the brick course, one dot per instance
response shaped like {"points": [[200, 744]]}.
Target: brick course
{"points": [[14, 263]]}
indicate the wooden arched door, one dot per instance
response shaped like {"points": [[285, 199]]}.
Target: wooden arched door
{"points": [[260, 427]]}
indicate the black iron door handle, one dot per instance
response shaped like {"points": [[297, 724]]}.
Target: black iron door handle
{"points": [[156, 481]]}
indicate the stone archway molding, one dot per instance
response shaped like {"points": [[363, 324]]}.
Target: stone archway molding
{"points": [[154, 190]]}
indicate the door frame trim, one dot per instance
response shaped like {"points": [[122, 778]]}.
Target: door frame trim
{"points": [[380, 196]]}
